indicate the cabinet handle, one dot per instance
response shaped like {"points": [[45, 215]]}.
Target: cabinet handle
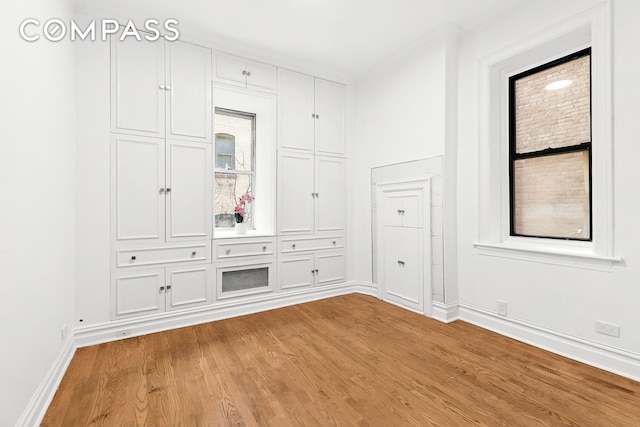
{"points": [[161, 288], [162, 191], [317, 195], [168, 287], [401, 263], [313, 116], [133, 257], [317, 116], [168, 190], [167, 87], [162, 87], [313, 194]]}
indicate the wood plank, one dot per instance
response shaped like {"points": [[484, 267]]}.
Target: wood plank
{"points": [[349, 360]]}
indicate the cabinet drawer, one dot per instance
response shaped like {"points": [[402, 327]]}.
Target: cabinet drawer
{"points": [[227, 250], [162, 255], [299, 245]]}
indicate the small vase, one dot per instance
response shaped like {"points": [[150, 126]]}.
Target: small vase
{"points": [[241, 227]]}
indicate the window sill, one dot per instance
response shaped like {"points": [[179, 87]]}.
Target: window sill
{"points": [[546, 254], [231, 234]]}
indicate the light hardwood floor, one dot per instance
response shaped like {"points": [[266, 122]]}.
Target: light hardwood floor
{"points": [[350, 360]]}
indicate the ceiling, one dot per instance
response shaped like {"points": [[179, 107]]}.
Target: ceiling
{"points": [[348, 37]]}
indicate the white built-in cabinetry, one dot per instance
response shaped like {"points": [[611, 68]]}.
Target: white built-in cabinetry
{"points": [[164, 254], [245, 73], [404, 227], [161, 89], [161, 169]]}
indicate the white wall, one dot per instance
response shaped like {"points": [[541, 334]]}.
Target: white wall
{"points": [[564, 299], [37, 214], [400, 116]]}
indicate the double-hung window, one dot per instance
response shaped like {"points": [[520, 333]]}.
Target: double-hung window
{"points": [[234, 163], [550, 149]]}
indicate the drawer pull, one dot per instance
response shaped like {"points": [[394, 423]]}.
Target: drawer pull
{"points": [[401, 263], [334, 243], [293, 246], [133, 258], [264, 249], [228, 251], [193, 253]]}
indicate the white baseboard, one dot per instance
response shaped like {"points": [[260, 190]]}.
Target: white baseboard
{"points": [[37, 407], [108, 331], [445, 313], [608, 358]]}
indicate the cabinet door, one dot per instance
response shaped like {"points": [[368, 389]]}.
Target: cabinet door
{"points": [[392, 209], [330, 101], [403, 281], [137, 188], [412, 208], [188, 287], [231, 68], [296, 272], [262, 76], [295, 111], [137, 81], [189, 190], [330, 268], [330, 201], [138, 294], [295, 193], [189, 92]]}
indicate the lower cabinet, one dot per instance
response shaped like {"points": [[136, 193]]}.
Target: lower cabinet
{"points": [[151, 291], [307, 262]]}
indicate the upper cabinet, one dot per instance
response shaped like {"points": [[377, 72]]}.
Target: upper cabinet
{"points": [[161, 89], [311, 114], [245, 73]]}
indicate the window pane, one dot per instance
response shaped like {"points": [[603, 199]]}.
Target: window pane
{"points": [[558, 117], [229, 188], [237, 129], [551, 196]]}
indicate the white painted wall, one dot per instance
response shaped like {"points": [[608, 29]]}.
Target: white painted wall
{"points": [[564, 299], [400, 116], [37, 213]]}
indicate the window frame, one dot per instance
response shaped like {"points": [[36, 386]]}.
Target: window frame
{"points": [[591, 28], [514, 156]]}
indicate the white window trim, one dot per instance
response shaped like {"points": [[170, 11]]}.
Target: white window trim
{"points": [[591, 28]]}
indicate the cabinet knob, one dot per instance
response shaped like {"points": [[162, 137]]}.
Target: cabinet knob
{"points": [[248, 73], [264, 249], [244, 72], [317, 116], [162, 87], [168, 190], [228, 251], [334, 243], [162, 191], [161, 288], [316, 270], [317, 195], [401, 263], [313, 115], [168, 287], [293, 246], [133, 257], [167, 87], [193, 253]]}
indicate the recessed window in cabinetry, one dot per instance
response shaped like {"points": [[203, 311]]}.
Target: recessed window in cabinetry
{"points": [[234, 164]]}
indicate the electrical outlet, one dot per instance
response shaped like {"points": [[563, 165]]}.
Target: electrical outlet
{"points": [[63, 332], [123, 333], [608, 329], [502, 308]]}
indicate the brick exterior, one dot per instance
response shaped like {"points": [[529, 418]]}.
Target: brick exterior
{"points": [[552, 192]]}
